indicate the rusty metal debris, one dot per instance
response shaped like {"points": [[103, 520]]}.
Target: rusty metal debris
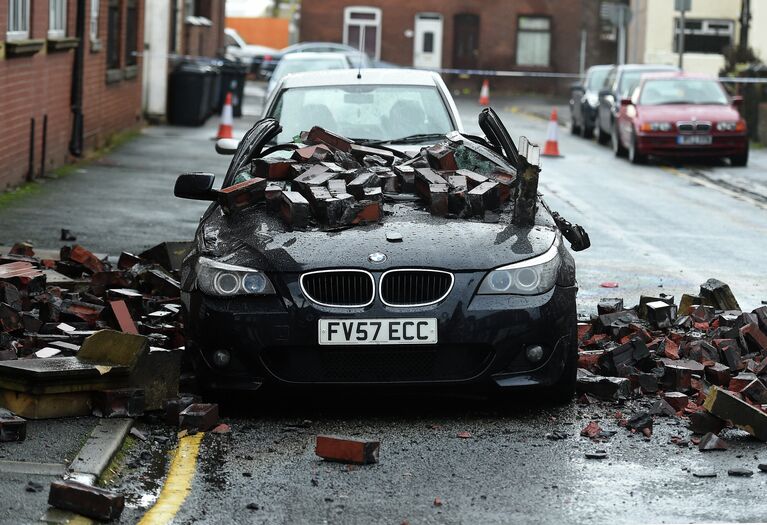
{"points": [[704, 359]]}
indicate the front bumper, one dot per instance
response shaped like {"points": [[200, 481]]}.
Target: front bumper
{"points": [[665, 145], [482, 340]]}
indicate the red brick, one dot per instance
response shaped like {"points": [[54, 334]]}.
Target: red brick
{"points": [[347, 450]]}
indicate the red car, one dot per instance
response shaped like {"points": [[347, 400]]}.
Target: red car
{"points": [[680, 115]]}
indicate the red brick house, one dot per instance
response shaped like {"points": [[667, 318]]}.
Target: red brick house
{"points": [[537, 35], [69, 78]]}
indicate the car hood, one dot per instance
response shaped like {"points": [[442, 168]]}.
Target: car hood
{"points": [[256, 239], [676, 112]]}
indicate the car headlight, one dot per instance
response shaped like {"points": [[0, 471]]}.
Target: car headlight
{"points": [[727, 125], [656, 126], [227, 280], [531, 277]]}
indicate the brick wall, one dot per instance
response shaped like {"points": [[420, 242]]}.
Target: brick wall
{"points": [[323, 20], [38, 85]]}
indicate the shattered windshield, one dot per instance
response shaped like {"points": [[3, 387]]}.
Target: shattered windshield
{"points": [[379, 112]]}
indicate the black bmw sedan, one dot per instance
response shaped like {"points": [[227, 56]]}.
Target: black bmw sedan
{"points": [[408, 299]]}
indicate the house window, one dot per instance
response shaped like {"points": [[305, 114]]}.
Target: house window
{"points": [[18, 20], [704, 36], [362, 29], [57, 18], [94, 22], [113, 35], [533, 41], [131, 33]]}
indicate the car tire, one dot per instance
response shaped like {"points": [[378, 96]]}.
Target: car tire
{"points": [[615, 142], [634, 156], [740, 161], [575, 129], [601, 136], [587, 132]]}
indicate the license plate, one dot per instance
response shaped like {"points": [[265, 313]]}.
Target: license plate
{"points": [[693, 140], [378, 331]]}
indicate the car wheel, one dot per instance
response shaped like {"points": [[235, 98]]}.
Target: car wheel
{"points": [[740, 161], [615, 142], [602, 137], [634, 156], [587, 132], [575, 129]]}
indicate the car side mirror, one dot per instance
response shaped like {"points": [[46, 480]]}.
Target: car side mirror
{"points": [[736, 100], [227, 146], [196, 186], [625, 102]]}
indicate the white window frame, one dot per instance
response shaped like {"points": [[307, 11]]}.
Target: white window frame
{"points": [[705, 30], [57, 18], [521, 31], [375, 22], [18, 20], [93, 27]]}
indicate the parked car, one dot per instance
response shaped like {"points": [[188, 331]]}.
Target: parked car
{"points": [[268, 66], [407, 106], [584, 101], [414, 300], [238, 49], [619, 84], [681, 115], [302, 62]]}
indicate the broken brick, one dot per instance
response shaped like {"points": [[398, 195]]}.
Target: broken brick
{"points": [[753, 338], [357, 186], [123, 317], [740, 381], [591, 430], [702, 422], [174, 407], [122, 402], [660, 314], [318, 135], [441, 157], [485, 197], [12, 428], [677, 400], [90, 501], [609, 305], [295, 209], [199, 417], [472, 179], [719, 295], [711, 442], [313, 154], [406, 178], [272, 168], [82, 256], [755, 391], [727, 405], [718, 374], [347, 450], [603, 387], [241, 195]]}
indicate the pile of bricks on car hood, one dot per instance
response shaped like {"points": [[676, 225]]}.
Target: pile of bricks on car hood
{"points": [[704, 359], [331, 182]]}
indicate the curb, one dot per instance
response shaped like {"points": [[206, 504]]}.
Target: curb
{"points": [[105, 440]]}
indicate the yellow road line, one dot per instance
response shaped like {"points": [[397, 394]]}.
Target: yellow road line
{"points": [[178, 484]]}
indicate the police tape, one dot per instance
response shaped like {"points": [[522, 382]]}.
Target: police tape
{"points": [[551, 74], [454, 71]]}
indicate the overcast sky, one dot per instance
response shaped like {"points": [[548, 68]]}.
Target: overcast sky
{"points": [[246, 7]]}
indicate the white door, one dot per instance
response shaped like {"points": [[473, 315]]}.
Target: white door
{"points": [[427, 45]]}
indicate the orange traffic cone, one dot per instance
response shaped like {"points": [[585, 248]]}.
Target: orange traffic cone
{"points": [[484, 93], [551, 149], [227, 117]]}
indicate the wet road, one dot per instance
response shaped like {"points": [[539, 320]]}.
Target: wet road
{"points": [[508, 471]]}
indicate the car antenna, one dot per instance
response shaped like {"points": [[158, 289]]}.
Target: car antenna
{"points": [[359, 64]]}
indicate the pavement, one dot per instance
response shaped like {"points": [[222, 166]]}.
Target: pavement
{"points": [[655, 228]]}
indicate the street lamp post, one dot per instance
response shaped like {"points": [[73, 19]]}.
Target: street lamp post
{"points": [[682, 6]]}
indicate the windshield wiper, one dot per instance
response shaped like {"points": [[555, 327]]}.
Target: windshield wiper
{"points": [[418, 138]]}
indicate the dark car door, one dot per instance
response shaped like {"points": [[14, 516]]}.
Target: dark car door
{"points": [[606, 101]]}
